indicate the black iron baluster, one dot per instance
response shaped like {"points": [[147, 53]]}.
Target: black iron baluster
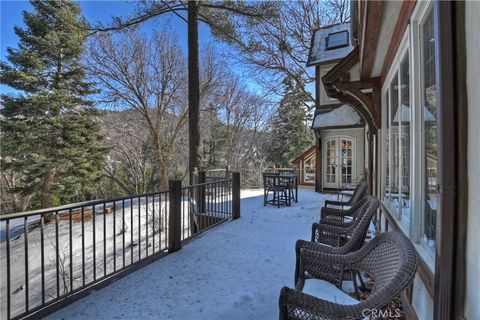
{"points": [[153, 222], [71, 249], [57, 253], [146, 226], [186, 212], [25, 230], [167, 205], [131, 231], [210, 206], [104, 240], [7, 236], [94, 245], [114, 237], [139, 230], [42, 255], [123, 231], [83, 246]]}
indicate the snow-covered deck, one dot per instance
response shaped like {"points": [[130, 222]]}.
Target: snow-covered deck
{"points": [[234, 271]]}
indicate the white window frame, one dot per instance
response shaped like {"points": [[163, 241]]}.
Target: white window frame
{"points": [[394, 71], [411, 43], [419, 15]]}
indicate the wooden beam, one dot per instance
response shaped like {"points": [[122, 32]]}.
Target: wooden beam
{"points": [[462, 164], [370, 38], [362, 84], [446, 113]]}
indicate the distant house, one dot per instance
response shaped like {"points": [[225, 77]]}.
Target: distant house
{"points": [[339, 128], [305, 166], [410, 71]]}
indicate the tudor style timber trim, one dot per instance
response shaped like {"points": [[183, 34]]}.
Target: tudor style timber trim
{"points": [[338, 85]]}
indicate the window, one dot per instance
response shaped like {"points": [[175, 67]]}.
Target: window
{"points": [[397, 140], [409, 123], [404, 116], [429, 129], [337, 40]]}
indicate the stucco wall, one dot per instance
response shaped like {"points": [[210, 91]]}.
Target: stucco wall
{"points": [[472, 23]]}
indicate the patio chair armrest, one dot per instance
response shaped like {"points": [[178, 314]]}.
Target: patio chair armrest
{"points": [[302, 245], [336, 203], [335, 221], [328, 233], [335, 213], [293, 302]]}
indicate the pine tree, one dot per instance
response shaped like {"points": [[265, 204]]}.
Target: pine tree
{"points": [[290, 134], [49, 132]]}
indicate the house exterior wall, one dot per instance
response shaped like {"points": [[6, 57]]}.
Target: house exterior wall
{"points": [[472, 294]]}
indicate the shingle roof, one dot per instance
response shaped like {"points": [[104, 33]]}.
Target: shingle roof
{"points": [[318, 52]]}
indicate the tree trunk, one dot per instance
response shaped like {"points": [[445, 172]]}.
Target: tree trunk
{"points": [[163, 177], [46, 186], [46, 195], [193, 88]]}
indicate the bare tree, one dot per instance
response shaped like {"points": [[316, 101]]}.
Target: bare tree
{"points": [[205, 11], [148, 76], [11, 200], [131, 163], [232, 128], [64, 267], [277, 46]]}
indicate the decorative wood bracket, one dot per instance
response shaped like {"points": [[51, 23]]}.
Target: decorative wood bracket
{"points": [[363, 95]]}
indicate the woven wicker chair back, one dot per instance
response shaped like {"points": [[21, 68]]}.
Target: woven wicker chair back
{"points": [[390, 260], [359, 193]]}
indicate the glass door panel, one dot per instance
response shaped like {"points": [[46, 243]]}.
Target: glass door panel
{"points": [[339, 168], [331, 164]]}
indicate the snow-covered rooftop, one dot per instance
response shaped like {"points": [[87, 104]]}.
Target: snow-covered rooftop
{"points": [[234, 271], [319, 53], [341, 116]]}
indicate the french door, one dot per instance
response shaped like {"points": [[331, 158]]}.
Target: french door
{"points": [[339, 164]]}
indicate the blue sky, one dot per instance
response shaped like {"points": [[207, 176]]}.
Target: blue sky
{"points": [[97, 11], [94, 11]]}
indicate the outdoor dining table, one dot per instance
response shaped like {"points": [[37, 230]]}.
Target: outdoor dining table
{"points": [[291, 183]]}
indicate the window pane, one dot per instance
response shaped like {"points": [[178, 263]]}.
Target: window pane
{"points": [[404, 116], [338, 39], [395, 145], [430, 163]]}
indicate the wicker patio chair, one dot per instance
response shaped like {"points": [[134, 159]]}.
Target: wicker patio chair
{"points": [[389, 260], [328, 214], [358, 194], [340, 237], [350, 234]]}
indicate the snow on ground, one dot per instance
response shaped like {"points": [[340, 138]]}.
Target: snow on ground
{"points": [[234, 271]]}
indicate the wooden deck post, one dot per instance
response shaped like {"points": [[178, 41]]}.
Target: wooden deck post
{"points": [[175, 216], [235, 195]]}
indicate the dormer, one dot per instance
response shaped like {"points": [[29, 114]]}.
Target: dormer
{"points": [[329, 45]]}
